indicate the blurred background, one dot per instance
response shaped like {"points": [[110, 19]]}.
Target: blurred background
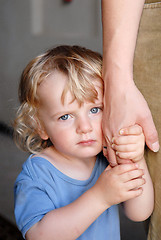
{"points": [[28, 28]]}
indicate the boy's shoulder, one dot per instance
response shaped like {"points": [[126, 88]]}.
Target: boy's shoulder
{"points": [[34, 167], [37, 168]]}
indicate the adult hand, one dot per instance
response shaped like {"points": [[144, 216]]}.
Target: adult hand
{"points": [[125, 106]]}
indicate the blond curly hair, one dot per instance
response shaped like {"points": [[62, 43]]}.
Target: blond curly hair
{"points": [[82, 67]]}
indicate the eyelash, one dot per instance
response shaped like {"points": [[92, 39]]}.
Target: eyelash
{"points": [[95, 108], [67, 116]]}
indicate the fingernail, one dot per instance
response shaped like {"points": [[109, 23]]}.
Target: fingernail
{"points": [[121, 132], [155, 147]]}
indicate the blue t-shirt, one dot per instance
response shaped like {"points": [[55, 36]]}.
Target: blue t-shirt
{"points": [[41, 188]]}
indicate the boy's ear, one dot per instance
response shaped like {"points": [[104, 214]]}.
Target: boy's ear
{"points": [[41, 131]]}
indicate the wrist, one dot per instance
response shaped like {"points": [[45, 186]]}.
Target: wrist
{"points": [[98, 198], [118, 89], [118, 76], [117, 62]]}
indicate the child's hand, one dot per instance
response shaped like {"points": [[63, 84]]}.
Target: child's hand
{"points": [[119, 184], [130, 145]]}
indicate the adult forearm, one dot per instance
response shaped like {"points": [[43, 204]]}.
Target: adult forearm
{"points": [[120, 20], [124, 105]]}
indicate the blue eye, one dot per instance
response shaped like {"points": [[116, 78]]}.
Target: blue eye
{"points": [[95, 110], [64, 117]]}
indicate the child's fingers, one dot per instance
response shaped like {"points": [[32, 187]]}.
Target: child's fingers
{"points": [[134, 193], [123, 161], [126, 155], [134, 174], [124, 147], [132, 130], [136, 183], [121, 169], [125, 140]]}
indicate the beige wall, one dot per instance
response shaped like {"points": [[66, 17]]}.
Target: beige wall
{"points": [[27, 29]]}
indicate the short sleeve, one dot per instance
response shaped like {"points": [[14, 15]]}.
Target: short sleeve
{"points": [[31, 204]]}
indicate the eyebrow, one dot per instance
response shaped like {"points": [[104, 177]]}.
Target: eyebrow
{"points": [[68, 111], [60, 114]]}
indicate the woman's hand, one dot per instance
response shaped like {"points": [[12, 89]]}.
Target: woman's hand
{"points": [[125, 106]]}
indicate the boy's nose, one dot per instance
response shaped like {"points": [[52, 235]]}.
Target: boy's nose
{"points": [[84, 126]]}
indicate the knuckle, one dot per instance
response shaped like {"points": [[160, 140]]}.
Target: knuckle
{"points": [[130, 175], [125, 168], [139, 128], [138, 192], [141, 181], [121, 167], [115, 140]]}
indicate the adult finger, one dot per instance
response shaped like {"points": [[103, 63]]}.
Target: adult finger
{"points": [[151, 135], [111, 157], [109, 153]]}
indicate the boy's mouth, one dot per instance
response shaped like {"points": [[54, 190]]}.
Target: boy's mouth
{"points": [[87, 142]]}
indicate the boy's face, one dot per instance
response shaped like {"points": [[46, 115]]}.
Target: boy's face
{"points": [[74, 130]]}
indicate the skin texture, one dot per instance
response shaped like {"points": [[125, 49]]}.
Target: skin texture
{"points": [[128, 183], [78, 126], [124, 105]]}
